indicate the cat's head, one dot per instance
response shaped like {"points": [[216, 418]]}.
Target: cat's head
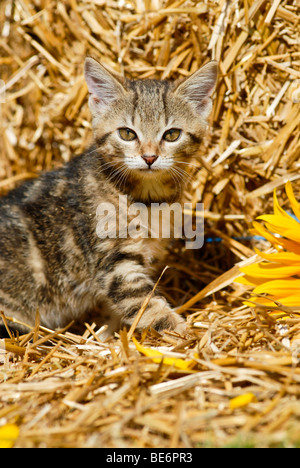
{"points": [[148, 130]]}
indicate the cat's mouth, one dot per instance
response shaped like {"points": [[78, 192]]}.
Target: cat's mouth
{"points": [[150, 172], [144, 169], [149, 165], [149, 169]]}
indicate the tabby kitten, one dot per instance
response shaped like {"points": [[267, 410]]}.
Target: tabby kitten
{"points": [[51, 258]]}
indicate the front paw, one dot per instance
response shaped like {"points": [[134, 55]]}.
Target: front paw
{"points": [[171, 321], [160, 316]]}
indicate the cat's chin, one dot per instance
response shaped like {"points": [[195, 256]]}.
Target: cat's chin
{"points": [[148, 173], [153, 186], [149, 170]]}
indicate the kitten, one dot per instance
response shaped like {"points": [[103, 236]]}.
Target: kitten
{"points": [[51, 259]]}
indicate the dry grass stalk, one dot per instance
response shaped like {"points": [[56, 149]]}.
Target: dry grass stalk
{"points": [[69, 390]]}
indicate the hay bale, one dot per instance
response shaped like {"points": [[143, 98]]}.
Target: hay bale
{"points": [[64, 389]]}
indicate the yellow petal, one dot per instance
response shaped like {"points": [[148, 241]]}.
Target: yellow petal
{"points": [[157, 356], [289, 301], [295, 205], [8, 435], [287, 258], [242, 400], [278, 210], [279, 275], [268, 270], [260, 230], [260, 301], [279, 225], [243, 280], [276, 301], [286, 286], [249, 280], [293, 234], [290, 245]]}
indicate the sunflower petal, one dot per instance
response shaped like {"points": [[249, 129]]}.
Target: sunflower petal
{"points": [[289, 301], [242, 400], [268, 270], [276, 301], [277, 242], [279, 225], [292, 234], [8, 435], [260, 230], [278, 210], [278, 275], [157, 357], [288, 286], [249, 280], [286, 258], [292, 199]]}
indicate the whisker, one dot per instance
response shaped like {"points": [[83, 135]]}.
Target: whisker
{"points": [[125, 175], [116, 172], [175, 180], [188, 164], [182, 174], [106, 165], [122, 172], [93, 151], [175, 176], [183, 171]]}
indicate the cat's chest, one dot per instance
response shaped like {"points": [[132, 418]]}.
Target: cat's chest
{"points": [[117, 217]]}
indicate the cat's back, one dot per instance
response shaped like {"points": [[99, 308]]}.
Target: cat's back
{"points": [[34, 215], [40, 197], [13, 220]]}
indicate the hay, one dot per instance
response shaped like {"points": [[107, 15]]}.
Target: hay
{"points": [[71, 390]]}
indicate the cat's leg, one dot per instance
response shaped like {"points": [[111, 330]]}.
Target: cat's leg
{"points": [[15, 326], [127, 287]]}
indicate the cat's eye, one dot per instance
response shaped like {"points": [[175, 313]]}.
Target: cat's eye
{"points": [[127, 134], [172, 135]]}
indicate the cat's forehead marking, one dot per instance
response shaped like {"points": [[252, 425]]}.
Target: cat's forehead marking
{"points": [[150, 100]]}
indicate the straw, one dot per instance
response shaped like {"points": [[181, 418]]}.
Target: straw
{"points": [[68, 388]]}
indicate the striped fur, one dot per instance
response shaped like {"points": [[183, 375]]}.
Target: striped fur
{"points": [[51, 259]]}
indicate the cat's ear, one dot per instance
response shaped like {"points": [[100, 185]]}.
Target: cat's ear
{"points": [[198, 88], [103, 86]]}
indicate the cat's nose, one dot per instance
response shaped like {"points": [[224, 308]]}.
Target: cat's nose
{"points": [[149, 159]]}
